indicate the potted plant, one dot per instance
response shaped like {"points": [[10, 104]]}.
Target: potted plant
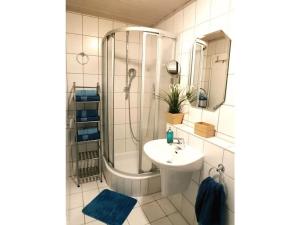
{"points": [[176, 98]]}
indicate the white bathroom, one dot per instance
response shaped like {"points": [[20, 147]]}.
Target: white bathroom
{"points": [[139, 112]]}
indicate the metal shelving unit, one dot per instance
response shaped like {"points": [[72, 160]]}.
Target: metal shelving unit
{"points": [[88, 161]]}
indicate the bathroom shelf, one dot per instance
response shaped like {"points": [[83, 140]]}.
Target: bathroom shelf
{"points": [[83, 122], [88, 155], [88, 172], [81, 142], [88, 162], [87, 101]]}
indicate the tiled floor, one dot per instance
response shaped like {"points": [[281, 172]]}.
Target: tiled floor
{"points": [[149, 210]]}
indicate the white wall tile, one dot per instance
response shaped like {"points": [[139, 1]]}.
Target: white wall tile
{"points": [[230, 217], [219, 7], [133, 51], [202, 29], [120, 49], [195, 114], [227, 120], [119, 131], [90, 45], [219, 23], [230, 91], [230, 193], [131, 145], [74, 77], [204, 172], [170, 24], [187, 41], [196, 142], [90, 80], [228, 162], [90, 26], [211, 117], [202, 10], [178, 22], [182, 134], [74, 43], [74, 23], [191, 192], [119, 145], [104, 26], [189, 16], [213, 154], [92, 65], [119, 116], [119, 100], [100, 46], [72, 65]]}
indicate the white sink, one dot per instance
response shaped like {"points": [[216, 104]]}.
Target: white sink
{"points": [[170, 156], [176, 163]]}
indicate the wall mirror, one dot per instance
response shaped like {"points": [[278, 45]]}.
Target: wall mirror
{"points": [[209, 69]]}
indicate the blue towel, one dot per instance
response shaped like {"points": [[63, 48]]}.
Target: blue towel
{"points": [[210, 203], [88, 136], [87, 95], [87, 115], [80, 98], [87, 131], [90, 92], [90, 118]]}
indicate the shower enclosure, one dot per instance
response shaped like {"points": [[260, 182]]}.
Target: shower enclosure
{"points": [[134, 72]]}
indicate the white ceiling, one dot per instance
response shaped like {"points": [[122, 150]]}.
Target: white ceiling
{"points": [[141, 12]]}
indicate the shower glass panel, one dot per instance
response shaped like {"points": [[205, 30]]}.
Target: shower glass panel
{"points": [[133, 74], [149, 101], [110, 98]]}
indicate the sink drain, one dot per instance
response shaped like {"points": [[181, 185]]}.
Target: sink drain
{"points": [[169, 161]]}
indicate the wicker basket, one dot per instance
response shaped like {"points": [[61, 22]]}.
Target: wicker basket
{"points": [[204, 129]]}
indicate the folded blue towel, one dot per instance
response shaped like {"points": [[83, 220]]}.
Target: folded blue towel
{"points": [[86, 113], [87, 131], [87, 95], [210, 203], [88, 134], [89, 92], [87, 98], [85, 119]]}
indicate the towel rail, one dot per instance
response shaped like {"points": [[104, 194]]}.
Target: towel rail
{"points": [[220, 170]]}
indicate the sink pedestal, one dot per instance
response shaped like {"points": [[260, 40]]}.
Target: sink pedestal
{"points": [[173, 182]]}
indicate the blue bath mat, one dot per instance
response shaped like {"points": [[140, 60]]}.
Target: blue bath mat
{"points": [[110, 207]]}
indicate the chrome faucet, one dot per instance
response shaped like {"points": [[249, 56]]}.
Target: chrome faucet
{"points": [[180, 141]]}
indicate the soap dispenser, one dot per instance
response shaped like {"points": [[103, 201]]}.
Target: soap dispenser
{"points": [[170, 136]]}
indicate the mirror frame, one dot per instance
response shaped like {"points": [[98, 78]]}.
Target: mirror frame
{"points": [[199, 40]]}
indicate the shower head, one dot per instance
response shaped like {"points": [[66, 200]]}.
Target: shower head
{"points": [[131, 73]]}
